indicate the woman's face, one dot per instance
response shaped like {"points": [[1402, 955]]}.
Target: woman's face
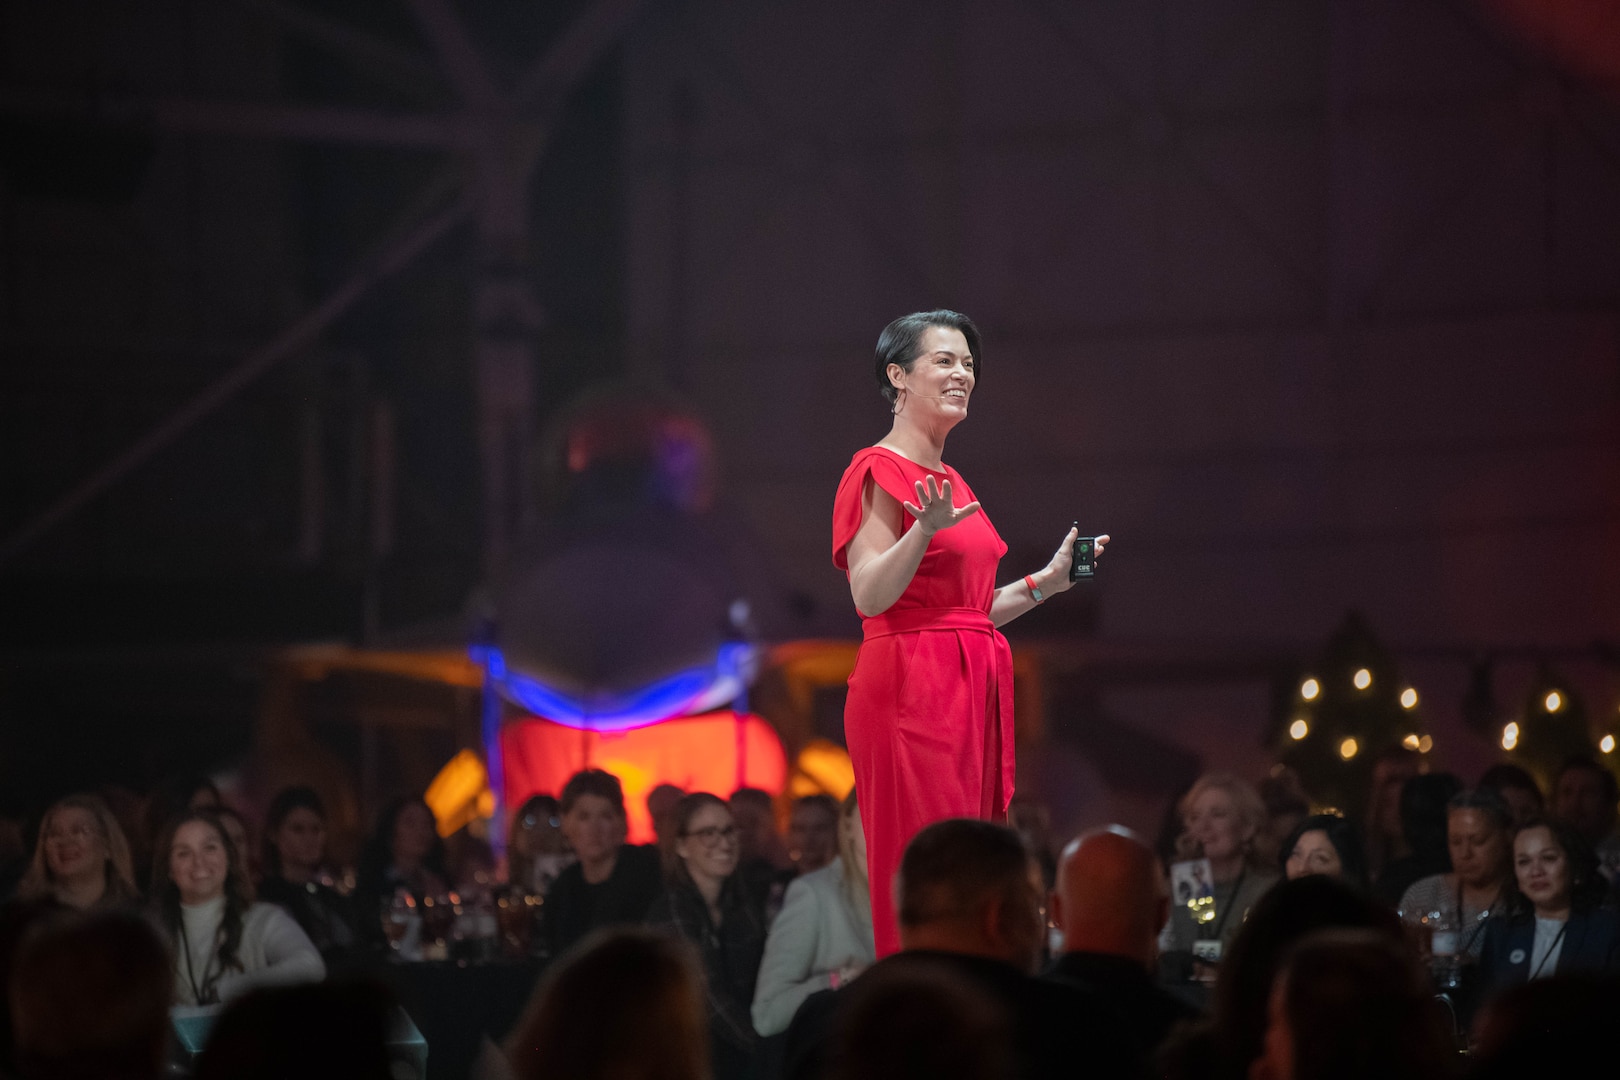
{"points": [[197, 862], [413, 833], [709, 845], [1213, 821], [594, 828], [74, 845], [1314, 853], [1542, 869], [941, 379], [537, 832], [1479, 849], [301, 838]]}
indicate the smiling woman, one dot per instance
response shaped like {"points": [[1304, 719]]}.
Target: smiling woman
{"points": [[82, 858]]}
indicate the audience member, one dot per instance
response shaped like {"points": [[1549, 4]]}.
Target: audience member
{"points": [[763, 851], [405, 852], [707, 903], [538, 850], [1557, 1027], [236, 827], [294, 861], [823, 936], [1221, 816], [1584, 798], [1325, 844], [1223, 1048], [1110, 905], [969, 902], [813, 832], [1479, 830], [1031, 819], [613, 882], [661, 803], [1286, 805], [623, 1005], [1350, 1005], [89, 999], [82, 859], [224, 943], [1517, 788], [1386, 828], [1553, 924], [1424, 814], [173, 796], [336, 1031], [922, 1023]]}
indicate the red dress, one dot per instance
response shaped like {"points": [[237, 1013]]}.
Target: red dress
{"points": [[929, 718]]}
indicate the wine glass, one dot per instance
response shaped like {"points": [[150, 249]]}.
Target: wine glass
{"points": [[398, 913]]}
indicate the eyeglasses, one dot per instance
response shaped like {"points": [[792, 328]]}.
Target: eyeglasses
{"points": [[714, 835], [72, 832]]}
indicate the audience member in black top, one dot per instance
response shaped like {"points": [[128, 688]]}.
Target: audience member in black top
{"points": [[1424, 800], [1517, 788], [1554, 924], [1353, 1005], [969, 902], [294, 858], [1584, 797], [626, 1004], [1386, 839], [1325, 844], [1110, 905], [1223, 1048], [706, 902], [82, 859], [404, 852], [536, 850], [613, 882]]}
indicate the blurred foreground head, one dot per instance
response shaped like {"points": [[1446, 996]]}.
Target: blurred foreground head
{"points": [[921, 1023], [970, 887], [326, 1031]]}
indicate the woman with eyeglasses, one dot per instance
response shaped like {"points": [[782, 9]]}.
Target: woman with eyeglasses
{"points": [[705, 901], [82, 859]]}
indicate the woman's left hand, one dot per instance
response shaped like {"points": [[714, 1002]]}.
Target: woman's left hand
{"points": [[1057, 571]]}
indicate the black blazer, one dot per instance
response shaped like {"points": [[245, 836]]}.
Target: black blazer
{"points": [[1591, 944]]}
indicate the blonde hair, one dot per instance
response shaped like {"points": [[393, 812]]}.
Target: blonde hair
{"points": [[37, 883], [1251, 812], [855, 878]]}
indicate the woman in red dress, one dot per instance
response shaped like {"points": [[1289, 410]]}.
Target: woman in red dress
{"points": [[929, 719]]}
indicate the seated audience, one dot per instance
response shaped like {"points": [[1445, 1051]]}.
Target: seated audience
{"points": [[81, 860], [1031, 819], [1352, 1005], [613, 882], [623, 1005], [1552, 924], [1286, 805], [1221, 817], [661, 803], [538, 850], [335, 1031], [1556, 1027], [1584, 798], [89, 999], [405, 852], [236, 827], [224, 943], [1110, 905], [1517, 788], [823, 936], [1325, 844], [969, 904], [922, 1024], [764, 855], [813, 833], [1224, 1047], [1423, 806], [707, 903], [1386, 833], [294, 862], [1479, 832]]}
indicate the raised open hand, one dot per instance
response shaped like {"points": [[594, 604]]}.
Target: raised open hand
{"points": [[933, 509]]}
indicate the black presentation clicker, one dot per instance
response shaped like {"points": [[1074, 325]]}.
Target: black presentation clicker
{"points": [[1083, 565]]}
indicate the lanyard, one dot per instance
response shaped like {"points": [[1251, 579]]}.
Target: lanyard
{"points": [[191, 974], [1548, 954]]}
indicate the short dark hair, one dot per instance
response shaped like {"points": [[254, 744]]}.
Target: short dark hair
{"points": [[1587, 886], [288, 799], [1345, 838], [602, 784], [1505, 774], [953, 868], [1611, 787], [1486, 801], [899, 344], [1423, 812]]}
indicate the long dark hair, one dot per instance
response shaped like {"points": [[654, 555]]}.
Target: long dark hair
{"points": [[685, 811], [1587, 888], [286, 801], [378, 854], [238, 890], [1345, 838]]}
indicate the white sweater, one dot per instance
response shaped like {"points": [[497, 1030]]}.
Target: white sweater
{"points": [[274, 951]]}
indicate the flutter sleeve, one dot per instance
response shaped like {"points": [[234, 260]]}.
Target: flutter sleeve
{"points": [[887, 474]]}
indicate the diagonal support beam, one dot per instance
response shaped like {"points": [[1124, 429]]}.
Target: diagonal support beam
{"points": [[596, 30], [457, 55], [400, 68]]}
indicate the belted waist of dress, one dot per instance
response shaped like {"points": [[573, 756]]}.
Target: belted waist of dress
{"points": [[910, 620]]}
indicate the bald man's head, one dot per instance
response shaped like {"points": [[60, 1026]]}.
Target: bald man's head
{"points": [[1111, 896]]}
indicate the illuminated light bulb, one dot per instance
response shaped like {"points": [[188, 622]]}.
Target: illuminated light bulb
{"points": [[1607, 744], [1554, 702], [1510, 736], [1410, 742], [1349, 749], [1298, 729], [1409, 698], [1425, 744], [1309, 689], [1363, 679]]}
